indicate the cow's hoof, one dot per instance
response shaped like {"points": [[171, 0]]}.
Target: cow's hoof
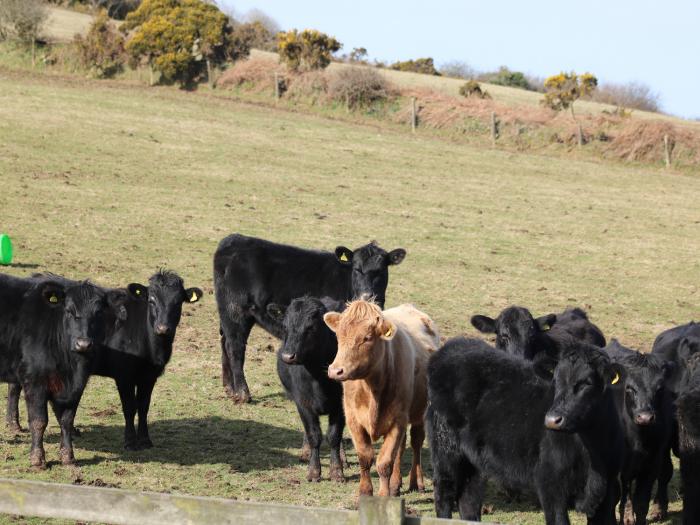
{"points": [[37, 460], [241, 397], [131, 446], [14, 428], [305, 454], [416, 487], [657, 513], [144, 443], [337, 475], [67, 458]]}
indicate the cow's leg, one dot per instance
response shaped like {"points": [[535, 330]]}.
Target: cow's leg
{"points": [[235, 336], [365, 455], [605, 513], [388, 454], [65, 415], [642, 495], [305, 452], [659, 510], [624, 495], [554, 502], [36, 398], [336, 423], [471, 494], [395, 482], [312, 430], [12, 415], [416, 477], [144, 390], [127, 394]]}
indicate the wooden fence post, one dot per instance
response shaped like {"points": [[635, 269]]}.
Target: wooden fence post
{"points": [[494, 128], [667, 151], [381, 511], [277, 86], [580, 136], [414, 115]]}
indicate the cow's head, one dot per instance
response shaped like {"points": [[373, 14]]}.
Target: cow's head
{"points": [[581, 377], [358, 329], [646, 380], [306, 335], [370, 269], [517, 332], [83, 308], [165, 295], [687, 351]]}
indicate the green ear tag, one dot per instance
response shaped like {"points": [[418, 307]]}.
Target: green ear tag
{"points": [[343, 257], [53, 299]]}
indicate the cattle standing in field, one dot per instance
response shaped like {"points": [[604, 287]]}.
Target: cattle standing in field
{"points": [[251, 273], [646, 416], [498, 416], [381, 360], [519, 333], [50, 330], [677, 345], [308, 348], [137, 350], [688, 413]]}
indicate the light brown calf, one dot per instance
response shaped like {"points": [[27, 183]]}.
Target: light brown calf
{"points": [[382, 360]]}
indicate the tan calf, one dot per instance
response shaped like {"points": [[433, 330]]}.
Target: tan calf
{"points": [[382, 360]]}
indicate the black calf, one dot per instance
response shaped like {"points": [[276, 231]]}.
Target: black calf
{"points": [[302, 364], [493, 415], [688, 406]]}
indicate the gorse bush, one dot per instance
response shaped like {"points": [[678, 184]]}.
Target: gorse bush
{"points": [[102, 49], [562, 90], [472, 88], [306, 50], [425, 66], [357, 86]]}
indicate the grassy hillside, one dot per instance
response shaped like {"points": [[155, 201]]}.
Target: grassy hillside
{"points": [[111, 182]]}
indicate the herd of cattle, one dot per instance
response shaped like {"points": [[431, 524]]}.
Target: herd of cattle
{"points": [[552, 409]]}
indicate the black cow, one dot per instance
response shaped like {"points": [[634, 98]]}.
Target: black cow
{"points": [[677, 345], [498, 416], [50, 330], [302, 364], [138, 349], [646, 416], [251, 273], [688, 413], [519, 333]]}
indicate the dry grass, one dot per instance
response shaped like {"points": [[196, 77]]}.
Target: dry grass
{"points": [[256, 72]]}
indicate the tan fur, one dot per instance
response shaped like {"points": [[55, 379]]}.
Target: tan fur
{"points": [[384, 357]]}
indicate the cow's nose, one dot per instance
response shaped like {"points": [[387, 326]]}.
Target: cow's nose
{"points": [[644, 418], [335, 373], [83, 344], [290, 359], [162, 329], [553, 421]]}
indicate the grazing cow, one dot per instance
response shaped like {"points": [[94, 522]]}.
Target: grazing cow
{"points": [[518, 333], [677, 345], [381, 360], [50, 330], [498, 416], [139, 347], [646, 416], [688, 412], [251, 273], [308, 348]]}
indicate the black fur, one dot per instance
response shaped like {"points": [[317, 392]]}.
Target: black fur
{"points": [[689, 440]]}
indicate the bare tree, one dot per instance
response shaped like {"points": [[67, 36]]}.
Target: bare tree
{"points": [[22, 20], [257, 15], [634, 95], [458, 69]]}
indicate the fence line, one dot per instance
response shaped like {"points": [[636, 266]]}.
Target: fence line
{"points": [[129, 507]]}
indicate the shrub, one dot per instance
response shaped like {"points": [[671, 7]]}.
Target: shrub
{"points": [[102, 49], [252, 35], [424, 66], [306, 50], [357, 86], [564, 89], [472, 88], [506, 77], [631, 95], [257, 72], [21, 19], [180, 38]]}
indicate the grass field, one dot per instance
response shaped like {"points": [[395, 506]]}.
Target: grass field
{"points": [[112, 182]]}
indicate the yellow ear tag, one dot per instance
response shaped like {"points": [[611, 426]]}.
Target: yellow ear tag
{"points": [[194, 297], [343, 257], [53, 299], [138, 291], [546, 327], [389, 332], [615, 379]]}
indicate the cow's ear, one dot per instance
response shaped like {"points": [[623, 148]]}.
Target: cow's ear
{"points": [[615, 375], [192, 295], [53, 294], [137, 290], [396, 256], [686, 349], [344, 255], [331, 319], [546, 322], [386, 329], [117, 300], [276, 311], [484, 324]]}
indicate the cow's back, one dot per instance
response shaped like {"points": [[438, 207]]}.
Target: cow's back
{"points": [[667, 341]]}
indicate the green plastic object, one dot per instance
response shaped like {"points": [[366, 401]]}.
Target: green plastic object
{"points": [[5, 249]]}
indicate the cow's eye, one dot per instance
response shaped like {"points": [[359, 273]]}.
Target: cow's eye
{"points": [[368, 338], [582, 385]]}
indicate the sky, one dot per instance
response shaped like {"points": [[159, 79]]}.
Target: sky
{"points": [[653, 42]]}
